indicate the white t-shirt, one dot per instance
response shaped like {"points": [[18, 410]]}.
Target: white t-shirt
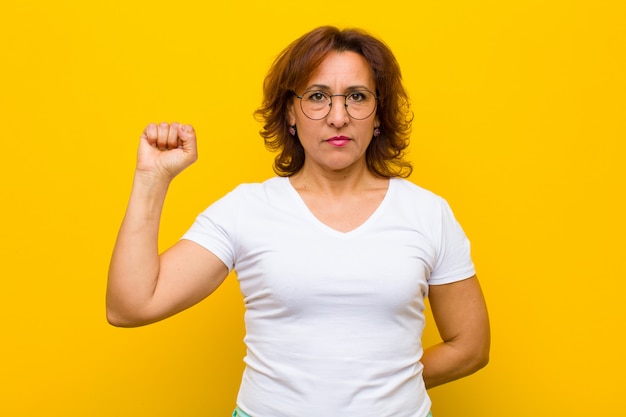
{"points": [[334, 320]]}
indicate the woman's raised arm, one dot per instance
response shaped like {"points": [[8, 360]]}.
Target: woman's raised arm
{"points": [[143, 286]]}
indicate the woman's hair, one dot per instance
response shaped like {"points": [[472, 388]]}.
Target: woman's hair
{"points": [[293, 68]]}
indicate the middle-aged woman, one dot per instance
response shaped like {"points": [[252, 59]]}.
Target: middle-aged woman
{"points": [[334, 256]]}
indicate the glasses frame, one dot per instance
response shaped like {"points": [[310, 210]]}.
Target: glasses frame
{"points": [[345, 103]]}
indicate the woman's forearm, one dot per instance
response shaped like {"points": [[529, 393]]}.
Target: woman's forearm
{"points": [[134, 267]]}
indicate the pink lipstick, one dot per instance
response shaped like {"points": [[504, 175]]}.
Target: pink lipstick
{"points": [[338, 141]]}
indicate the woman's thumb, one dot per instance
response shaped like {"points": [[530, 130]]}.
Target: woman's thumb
{"points": [[186, 132]]}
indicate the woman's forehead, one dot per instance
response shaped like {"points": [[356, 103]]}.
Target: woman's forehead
{"points": [[343, 70]]}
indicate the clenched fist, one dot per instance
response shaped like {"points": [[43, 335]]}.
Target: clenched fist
{"points": [[166, 149]]}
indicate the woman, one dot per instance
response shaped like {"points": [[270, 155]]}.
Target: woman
{"points": [[334, 256]]}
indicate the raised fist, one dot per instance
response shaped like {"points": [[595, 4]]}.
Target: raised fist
{"points": [[166, 149]]}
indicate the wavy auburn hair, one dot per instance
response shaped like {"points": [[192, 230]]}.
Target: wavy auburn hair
{"points": [[293, 68]]}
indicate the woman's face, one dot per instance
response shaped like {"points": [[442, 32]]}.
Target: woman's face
{"points": [[337, 142]]}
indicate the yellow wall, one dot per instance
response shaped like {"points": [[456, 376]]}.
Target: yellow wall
{"points": [[520, 123]]}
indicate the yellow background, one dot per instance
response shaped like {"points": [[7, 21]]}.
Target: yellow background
{"points": [[520, 123]]}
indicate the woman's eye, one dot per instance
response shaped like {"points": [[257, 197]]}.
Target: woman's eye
{"points": [[317, 96], [356, 96]]}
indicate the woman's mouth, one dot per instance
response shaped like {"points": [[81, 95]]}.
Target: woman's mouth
{"points": [[338, 141]]}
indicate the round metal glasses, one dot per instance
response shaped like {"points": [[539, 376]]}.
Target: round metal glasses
{"points": [[316, 105]]}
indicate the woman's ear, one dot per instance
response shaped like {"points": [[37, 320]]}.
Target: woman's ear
{"points": [[291, 114]]}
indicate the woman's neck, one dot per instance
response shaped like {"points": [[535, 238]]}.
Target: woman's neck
{"points": [[333, 183]]}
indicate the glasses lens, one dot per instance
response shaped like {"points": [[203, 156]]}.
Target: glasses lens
{"points": [[315, 104], [359, 104]]}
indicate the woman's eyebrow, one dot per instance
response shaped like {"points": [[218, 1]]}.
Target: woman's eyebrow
{"points": [[318, 87], [327, 88]]}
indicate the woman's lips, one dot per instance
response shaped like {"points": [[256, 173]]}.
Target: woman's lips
{"points": [[338, 140]]}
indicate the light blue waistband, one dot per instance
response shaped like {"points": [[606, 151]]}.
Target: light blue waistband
{"points": [[240, 413]]}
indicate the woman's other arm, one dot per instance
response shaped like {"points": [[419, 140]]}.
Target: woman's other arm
{"points": [[461, 317]]}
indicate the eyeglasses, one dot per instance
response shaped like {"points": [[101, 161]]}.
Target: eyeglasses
{"points": [[360, 104]]}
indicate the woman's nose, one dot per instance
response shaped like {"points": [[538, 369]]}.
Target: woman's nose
{"points": [[338, 115]]}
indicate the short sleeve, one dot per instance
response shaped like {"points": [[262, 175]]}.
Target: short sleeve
{"points": [[453, 261], [216, 228]]}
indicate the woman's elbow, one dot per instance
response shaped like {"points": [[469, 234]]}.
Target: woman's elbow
{"points": [[481, 361], [479, 357], [118, 318]]}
